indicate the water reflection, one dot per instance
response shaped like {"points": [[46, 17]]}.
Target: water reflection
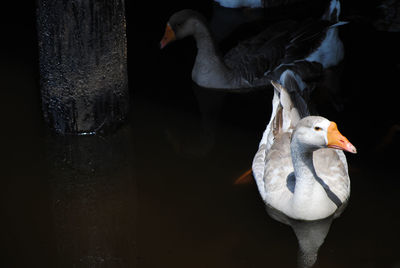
{"points": [[93, 197], [202, 132], [310, 236]]}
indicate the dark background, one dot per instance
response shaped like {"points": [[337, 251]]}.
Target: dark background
{"points": [[172, 203]]}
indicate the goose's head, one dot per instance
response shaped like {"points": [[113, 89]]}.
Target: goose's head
{"points": [[181, 24], [315, 132]]}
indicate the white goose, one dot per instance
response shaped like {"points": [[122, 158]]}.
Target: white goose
{"points": [[295, 170]]}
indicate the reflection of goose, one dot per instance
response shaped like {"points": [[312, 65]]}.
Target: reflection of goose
{"points": [[196, 138], [252, 62], [310, 236], [294, 171]]}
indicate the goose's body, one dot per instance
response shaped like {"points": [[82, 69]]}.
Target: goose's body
{"points": [[253, 63], [295, 171]]}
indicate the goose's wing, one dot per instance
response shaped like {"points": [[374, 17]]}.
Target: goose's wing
{"points": [[306, 39], [276, 49], [253, 57], [331, 167], [278, 184], [272, 163], [309, 71]]}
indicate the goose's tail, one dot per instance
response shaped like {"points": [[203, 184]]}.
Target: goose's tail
{"points": [[289, 105], [332, 12]]}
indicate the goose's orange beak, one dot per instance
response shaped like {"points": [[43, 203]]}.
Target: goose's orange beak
{"points": [[168, 37], [338, 141]]}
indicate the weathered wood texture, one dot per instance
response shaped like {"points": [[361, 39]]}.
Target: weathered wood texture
{"points": [[83, 64]]}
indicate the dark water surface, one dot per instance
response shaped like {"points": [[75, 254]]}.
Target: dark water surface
{"points": [[159, 192]]}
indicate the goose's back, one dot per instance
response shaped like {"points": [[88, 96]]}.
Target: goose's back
{"points": [[253, 57], [278, 47]]}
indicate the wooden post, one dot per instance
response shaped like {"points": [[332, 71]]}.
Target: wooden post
{"points": [[83, 64]]}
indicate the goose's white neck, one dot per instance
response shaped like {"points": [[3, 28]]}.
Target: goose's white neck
{"points": [[209, 70], [310, 200], [204, 41]]}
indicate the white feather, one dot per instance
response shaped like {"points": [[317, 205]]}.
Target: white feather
{"points": [[331, 51]]}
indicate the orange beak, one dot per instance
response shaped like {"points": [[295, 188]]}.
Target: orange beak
{"points": [[338, 141], [168, 37]]}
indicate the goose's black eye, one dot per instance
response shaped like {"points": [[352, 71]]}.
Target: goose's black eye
{"points": [[317, 128]]}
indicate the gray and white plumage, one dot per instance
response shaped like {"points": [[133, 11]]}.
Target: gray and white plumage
{"points": [[302, 183], [257, 60]]}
